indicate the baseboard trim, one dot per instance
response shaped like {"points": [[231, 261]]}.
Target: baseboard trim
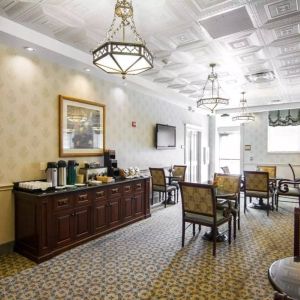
{"points": [[6, 187], [7, 248]]}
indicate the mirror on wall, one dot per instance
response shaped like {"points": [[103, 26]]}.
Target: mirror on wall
{"points": [[81, 127]]}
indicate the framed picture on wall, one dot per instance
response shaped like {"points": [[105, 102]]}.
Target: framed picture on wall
{"points": [[81, 127]]}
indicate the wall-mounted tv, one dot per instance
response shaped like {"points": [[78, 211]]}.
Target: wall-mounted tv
{"points": [[165, 137]]}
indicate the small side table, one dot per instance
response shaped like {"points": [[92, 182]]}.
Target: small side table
{"points": [[284, 274]]}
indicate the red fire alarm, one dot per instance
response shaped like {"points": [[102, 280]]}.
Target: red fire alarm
{"points": [[133, 124]]}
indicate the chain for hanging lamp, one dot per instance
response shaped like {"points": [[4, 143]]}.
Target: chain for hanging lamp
{"points": [[244, 116], [120, 53], [210, 98]]}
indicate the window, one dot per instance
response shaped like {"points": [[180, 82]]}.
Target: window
{"points": [[284, 139]]}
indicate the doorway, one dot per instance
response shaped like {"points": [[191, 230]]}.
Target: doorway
{"points": [[229, 151], [193, 153]]}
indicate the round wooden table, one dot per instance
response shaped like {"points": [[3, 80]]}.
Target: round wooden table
{"points": [[284, 274]]}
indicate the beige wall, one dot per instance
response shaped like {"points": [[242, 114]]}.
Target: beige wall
{"points": [[29, 90], [6, 214]]}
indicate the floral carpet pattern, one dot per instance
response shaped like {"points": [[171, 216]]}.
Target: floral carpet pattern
{"points": [[145, 261]]}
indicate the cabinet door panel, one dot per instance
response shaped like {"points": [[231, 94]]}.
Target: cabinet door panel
{"points": [[128, 208], [139, 205], [63, 226], [82, 219], [100, 216], [114, 209]]}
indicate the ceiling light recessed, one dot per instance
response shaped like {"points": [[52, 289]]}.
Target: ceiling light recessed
{"points": [[87, 70], [30, 49], [261, 77]]}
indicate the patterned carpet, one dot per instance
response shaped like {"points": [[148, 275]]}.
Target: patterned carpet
{"points": [[145, 261]]}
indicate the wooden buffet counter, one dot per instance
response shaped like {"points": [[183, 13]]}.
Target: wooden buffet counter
{"points": [[51, 222]]}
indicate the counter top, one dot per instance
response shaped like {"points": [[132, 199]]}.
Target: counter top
{"points": [[52, 192]]}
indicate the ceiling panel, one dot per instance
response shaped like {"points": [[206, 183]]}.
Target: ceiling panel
{"points": [[242, 37]]}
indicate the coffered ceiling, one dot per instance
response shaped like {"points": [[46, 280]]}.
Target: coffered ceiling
{"points": [[242, 36]]}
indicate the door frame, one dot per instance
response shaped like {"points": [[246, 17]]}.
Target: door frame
{"points": [[199, 129]]}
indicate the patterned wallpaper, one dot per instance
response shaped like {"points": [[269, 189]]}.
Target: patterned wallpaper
{"points": [[29, 117]]}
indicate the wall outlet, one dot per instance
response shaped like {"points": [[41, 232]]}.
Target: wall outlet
{"points": [[43, 166]]}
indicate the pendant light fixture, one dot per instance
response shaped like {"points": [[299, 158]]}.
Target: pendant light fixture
{"points": [[123, 52], [244, 116], [211, 92]]}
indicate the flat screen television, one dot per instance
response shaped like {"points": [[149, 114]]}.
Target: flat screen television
{"points": [[165, 137]]}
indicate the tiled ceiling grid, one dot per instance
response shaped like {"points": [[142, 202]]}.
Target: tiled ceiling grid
{"points": [[242, 36]]}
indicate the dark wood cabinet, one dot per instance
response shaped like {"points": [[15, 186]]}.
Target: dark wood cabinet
{"points": [[52, 222]]}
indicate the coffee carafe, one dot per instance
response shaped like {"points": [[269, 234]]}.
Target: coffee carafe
{"points": [[62, 172], [72, 164], [51, 173]]}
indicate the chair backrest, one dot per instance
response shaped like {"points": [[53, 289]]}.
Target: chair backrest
{"points": [[256, 181], [297, 232], [270, 169], [179, 171], [198, 198], [158, 176], [229, 183], [225, 170]]}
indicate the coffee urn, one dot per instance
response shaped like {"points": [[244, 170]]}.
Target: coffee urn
{"points": [[71, 179], [51, 173], [62, 172]]}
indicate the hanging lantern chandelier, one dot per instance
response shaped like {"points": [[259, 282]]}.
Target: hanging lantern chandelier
{"points": [[127, 55], [211, 92], [244, 116]]}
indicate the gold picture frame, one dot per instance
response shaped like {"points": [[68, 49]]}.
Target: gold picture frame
{"points": [[81, 127]]}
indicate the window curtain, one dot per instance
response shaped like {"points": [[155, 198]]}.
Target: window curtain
{"points": [[290, 117]]}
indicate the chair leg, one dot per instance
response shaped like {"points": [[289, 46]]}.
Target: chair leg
{"points": [[239, 219], [250, 199], [268, 206], [194, 229], [245, 203], [152, 197], [214, 240], [234, 227], [183, 233], [199, 228], [165, 199], [229, 231], [177, 194]]}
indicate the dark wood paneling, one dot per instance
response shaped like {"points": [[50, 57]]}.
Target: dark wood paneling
{"points": [[50, 224], [114, 212], [82, 225], [128, 207], [63, 228], [100, 216]]}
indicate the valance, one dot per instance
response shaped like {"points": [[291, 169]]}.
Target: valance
{"points": [[289, 117]]}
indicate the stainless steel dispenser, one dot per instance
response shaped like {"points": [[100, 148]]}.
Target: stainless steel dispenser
{"points": [[51, 173], [62, 173]]}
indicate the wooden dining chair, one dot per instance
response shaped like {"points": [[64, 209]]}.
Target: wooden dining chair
{"points": [[179, 172], [231, 184], [270, 169], [158, 179], [257, 184], [199, 207], [225, 170], [297, 232]]}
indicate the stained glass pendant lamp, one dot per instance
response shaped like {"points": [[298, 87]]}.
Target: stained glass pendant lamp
{"points": [[123, 52], [211, 98], [244, 116]]}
